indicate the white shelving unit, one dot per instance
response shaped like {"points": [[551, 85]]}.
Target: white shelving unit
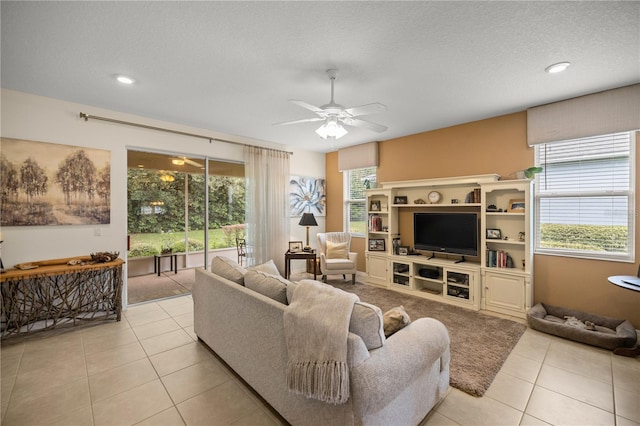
{"points": [[377, 253], [507, 287], [476, 285]]}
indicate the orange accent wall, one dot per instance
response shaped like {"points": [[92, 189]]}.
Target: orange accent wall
{"points": [[495, 145]]}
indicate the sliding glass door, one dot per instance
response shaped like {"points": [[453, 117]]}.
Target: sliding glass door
{"points": [[167, 209]]}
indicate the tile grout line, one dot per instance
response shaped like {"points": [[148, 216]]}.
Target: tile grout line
{"points": [[535, 383], [91, 401], [156, 371]]}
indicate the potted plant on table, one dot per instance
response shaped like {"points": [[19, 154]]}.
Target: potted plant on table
{"points": [[167, 243]]}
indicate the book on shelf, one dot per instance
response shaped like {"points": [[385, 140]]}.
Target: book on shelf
{"points": [[499, 259], [473, 197], [375, 223]]}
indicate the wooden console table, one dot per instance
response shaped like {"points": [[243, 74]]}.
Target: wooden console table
{"points": [[58, 295]]}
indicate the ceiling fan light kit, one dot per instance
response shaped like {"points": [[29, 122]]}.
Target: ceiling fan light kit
{"points": [[331, 129], [335, 115]]}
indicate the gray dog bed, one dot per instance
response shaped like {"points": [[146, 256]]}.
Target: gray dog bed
{"points": [[606, 332]]}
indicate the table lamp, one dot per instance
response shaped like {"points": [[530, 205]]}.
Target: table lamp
{"points": [[308, 220]]}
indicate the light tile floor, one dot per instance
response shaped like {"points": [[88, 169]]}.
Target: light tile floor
{"points": [[149, 369]]}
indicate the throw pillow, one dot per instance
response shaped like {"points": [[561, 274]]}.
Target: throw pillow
{"points": [[267, 267], [272, 286], [337, 250], [395, 319], [366, 322], [228, 269]]}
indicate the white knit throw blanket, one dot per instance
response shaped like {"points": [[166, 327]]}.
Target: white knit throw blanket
{"points": [[316, 325]]}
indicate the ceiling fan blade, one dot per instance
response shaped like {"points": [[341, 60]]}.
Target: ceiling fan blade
{"points": [[181, 161], [366, 109], [358, 122], [303, 104], [304, 120], [193, 163]]}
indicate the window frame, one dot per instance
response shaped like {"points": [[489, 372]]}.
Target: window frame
{"points": [[348, 202], [629, 255]]}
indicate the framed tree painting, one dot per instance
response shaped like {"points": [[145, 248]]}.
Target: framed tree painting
{"points": [[51, 184]]}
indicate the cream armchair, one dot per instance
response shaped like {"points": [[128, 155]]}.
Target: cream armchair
{"points": [[339, 260]]}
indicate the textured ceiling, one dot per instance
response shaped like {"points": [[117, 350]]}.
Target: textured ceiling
{"points": [[231, 66]]}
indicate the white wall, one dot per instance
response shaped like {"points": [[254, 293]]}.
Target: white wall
{"points": [[30, 117], [307, 163]]}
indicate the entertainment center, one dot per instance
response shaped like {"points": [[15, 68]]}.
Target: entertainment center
{"points": [[469, 244]]}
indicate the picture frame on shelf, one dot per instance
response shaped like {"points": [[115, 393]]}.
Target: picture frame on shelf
{"points": [[374, 206], [516, 205], [400, 199], [295, 246], [494, 234], [403, 250], [377, 244]]}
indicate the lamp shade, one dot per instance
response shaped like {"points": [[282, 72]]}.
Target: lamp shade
{"points": [[308, 219]]}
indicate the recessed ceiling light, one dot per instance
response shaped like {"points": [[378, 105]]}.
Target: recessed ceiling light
{"points": [[556, 68], [124, 79]]}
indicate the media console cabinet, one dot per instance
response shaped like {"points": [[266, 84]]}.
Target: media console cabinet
{"points": [[59, 295], [499, 278]]}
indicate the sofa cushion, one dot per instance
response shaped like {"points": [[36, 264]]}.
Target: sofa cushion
{"points": [[228, 269], [272, 286], [366, 321], [395, 319], [268, 267], [337, 250]]}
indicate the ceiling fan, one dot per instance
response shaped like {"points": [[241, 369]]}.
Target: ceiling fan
{"points": [[180, 161], [334, 115]]}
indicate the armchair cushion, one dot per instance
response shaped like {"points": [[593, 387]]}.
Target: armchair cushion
{"points": [[338, 264], [337, 250]]}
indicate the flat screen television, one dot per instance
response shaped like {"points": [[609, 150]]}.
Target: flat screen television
{"points": [[453, 233]]}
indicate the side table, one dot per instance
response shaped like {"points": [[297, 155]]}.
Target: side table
{"points": [[630, 283], [173, 262], [306, 255]]}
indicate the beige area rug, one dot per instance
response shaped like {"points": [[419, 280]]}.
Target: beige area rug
{"points": [[480, 343], [152, 287]]}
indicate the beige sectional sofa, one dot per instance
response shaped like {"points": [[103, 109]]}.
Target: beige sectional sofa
{"points": [[394, 381]]}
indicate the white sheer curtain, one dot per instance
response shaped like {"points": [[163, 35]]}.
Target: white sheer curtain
{"points": [[267, 208]]}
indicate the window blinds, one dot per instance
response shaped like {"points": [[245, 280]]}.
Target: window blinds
{"points": [[585, 195]]}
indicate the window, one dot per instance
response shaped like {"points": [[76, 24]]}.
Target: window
{"points": [[356, 181], [585, 197]]}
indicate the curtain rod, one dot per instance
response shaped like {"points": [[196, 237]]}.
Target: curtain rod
{"points": [[177, 132]]}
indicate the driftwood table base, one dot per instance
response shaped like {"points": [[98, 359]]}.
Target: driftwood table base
{"points": [[59, 295]]}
